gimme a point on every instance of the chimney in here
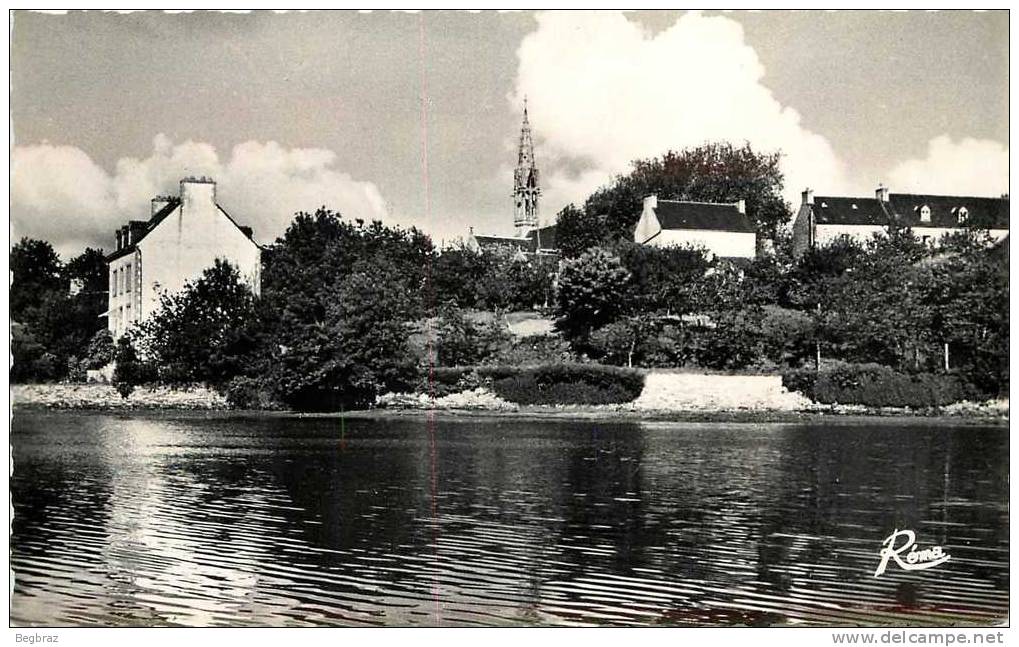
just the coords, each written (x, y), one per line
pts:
(120, 240)
(651, 202)
(741, 206)
(197, 190)
(882, 193)
(808, 196)
(159, 202)
(125, 236)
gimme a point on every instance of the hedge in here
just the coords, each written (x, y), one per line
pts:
(544, 384)
(568, 384)
(874, 385)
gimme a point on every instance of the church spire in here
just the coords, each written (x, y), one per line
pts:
(525, 182)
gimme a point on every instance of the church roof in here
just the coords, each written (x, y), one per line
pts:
(680, 214)
(545, 237)
(523, 244)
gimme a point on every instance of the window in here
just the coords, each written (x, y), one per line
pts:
(127, 279)
(925, 214)
(113, 282)
(963, 215)
(927, 240)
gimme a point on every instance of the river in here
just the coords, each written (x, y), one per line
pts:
(237, 520)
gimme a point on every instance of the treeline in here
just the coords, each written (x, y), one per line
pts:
(56, 308)
(349, 310)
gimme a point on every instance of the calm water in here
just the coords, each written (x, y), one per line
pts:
(197, 520)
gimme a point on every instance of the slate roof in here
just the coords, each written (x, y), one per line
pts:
(677, 214)
(833, 210)
(146, 227)
(546, 238)
(904, 209)
(991, 213)
(528, 244)
(523, 244)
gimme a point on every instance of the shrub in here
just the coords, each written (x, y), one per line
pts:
(568, 384)
(100, 350)
(244, 392)
(534, 349)
(443, 380)
(462, 341)
(874, 385)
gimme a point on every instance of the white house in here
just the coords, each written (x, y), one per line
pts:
(822, 219)
(184, 236)
(721, 228)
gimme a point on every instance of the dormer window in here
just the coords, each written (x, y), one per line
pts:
(925, 214)
(963, 214)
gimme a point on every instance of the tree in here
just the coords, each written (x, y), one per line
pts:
(37, 273)
(199, 334)
(712, 172)
(462, 341)
(577, 232)
(128, 372)
(591, 292)
(666, 280)
(357, 350)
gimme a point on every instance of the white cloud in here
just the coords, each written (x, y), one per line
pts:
(59, 194)
(969, 167)
(604, 92)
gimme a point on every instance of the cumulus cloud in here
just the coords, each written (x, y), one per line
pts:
(605, 92)
(59, 194)
(968, 167)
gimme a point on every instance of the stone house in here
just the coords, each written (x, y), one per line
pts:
(723, 229)
(183, 236)
(822, 219)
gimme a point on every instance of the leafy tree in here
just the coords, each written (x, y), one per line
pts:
(37, 273)
(667, 280)
(358, 349)
(128, 372)
(461, 341)
(199, 333)
(576, 231)
(591, 292)
(713, 172)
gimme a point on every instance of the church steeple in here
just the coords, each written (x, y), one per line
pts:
(525, 182)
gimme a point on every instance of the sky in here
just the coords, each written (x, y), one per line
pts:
(413, 118)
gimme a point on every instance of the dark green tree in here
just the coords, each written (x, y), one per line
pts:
(200, 334)
(591, 292)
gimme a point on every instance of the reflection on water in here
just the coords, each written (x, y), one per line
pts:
(218, 520)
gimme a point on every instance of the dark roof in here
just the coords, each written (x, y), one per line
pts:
(523, 244)
(152, 223)
(990, 213)
(904, 209)
(546, 237)
(676, 214)
(147, 226)
(831, 210)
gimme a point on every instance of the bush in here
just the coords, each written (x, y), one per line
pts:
(100, 350)
(442, 381)
(874, 385)
(250, 393)
(566, 384)
(534, 349)
(463, 341)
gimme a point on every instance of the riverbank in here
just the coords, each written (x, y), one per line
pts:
(653, 405)
(105, 397)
